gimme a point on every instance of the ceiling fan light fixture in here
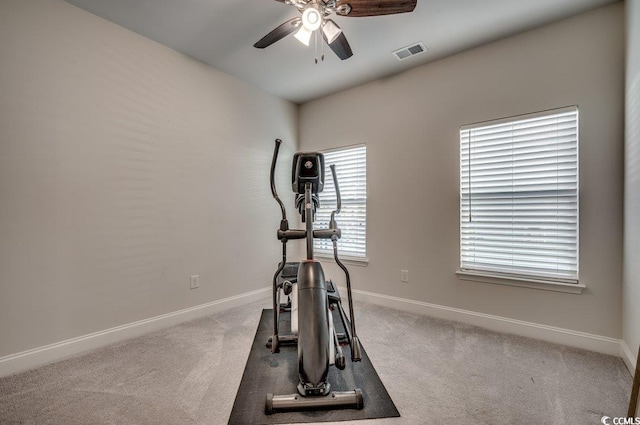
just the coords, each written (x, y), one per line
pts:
(314, 16)
(331, 31)
(303, 35)
(311, 18)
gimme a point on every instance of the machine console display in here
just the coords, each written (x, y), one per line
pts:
(308, 167)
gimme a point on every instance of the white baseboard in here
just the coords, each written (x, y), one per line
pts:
(591, 342)
(18, 362)
(628, 357)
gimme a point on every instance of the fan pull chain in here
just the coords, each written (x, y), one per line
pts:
(318, 39)
(315, 34)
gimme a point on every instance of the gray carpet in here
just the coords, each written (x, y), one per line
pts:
(437, 372)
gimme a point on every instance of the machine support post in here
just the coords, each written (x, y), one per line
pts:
(308, 210)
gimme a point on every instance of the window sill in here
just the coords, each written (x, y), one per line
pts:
(547, 285)
(350, 261)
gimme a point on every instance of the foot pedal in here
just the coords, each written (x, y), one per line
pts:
(283, 340)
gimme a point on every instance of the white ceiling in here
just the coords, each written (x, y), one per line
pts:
(221, 33)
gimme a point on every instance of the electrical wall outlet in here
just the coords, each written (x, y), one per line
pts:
(404, 276)
(195, 281)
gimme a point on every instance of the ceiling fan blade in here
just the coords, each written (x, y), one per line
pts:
(340, 46)
(378, 7)
(282, 31)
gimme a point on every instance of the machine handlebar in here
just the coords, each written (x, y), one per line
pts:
(274, 192)
(332, 223)
(354, 343)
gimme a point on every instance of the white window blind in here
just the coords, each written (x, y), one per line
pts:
(351, 169)
(519, 196)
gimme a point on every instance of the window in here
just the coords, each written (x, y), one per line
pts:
(519, 197)
(351, 169)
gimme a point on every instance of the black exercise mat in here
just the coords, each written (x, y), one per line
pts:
(278, 374)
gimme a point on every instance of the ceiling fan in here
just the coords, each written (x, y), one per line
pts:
(315, 19)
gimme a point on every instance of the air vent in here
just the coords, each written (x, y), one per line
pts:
(412, 50)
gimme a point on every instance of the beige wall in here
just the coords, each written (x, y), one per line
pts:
(411, 123)
(631, 289)
(125, 167)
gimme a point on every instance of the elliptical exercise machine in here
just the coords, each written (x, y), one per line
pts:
(311, 298)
